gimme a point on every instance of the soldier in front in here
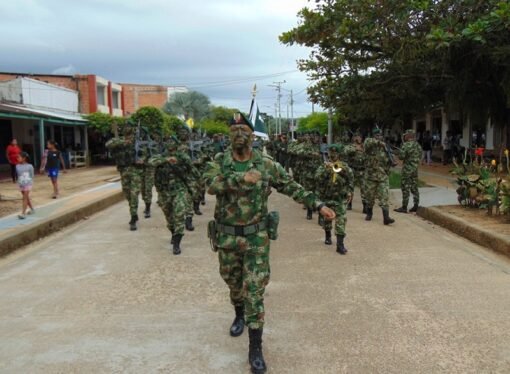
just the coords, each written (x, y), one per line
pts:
(241, 178)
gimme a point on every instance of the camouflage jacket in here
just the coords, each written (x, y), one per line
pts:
(239, 203)
(376, 160)
(333, 189)
(172, 178)
(123, 153)
(410, 154)
(354, 157)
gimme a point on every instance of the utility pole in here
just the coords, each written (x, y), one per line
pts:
(292, 114)
(278, 86)
(330, 126)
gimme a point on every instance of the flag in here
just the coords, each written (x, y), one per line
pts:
(190, 123)
(258, 122)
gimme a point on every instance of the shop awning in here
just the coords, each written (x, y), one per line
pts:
(8, 110)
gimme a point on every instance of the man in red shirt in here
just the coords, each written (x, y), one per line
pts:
(12, 152)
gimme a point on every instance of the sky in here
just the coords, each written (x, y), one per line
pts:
(218, 47)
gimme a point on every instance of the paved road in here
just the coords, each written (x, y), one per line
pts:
(411, 298)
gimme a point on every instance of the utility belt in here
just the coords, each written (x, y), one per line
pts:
(241, 230)
(270, 224)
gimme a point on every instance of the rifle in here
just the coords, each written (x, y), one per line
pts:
(149, 143)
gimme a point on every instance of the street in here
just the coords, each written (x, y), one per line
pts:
(408, 298)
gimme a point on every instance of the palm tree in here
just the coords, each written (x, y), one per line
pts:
(191, 104)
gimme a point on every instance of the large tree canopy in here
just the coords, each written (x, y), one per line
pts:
(388, 59)
(191, 104)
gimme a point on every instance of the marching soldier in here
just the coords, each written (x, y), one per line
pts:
(410, 154)
(241, 179)
(379, 161)
(172, 171)
(355, 157)
(130, 166)
(335, 186)
(309, 154)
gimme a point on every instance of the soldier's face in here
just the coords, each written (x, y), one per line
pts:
(241, 136)
(357, 139)
(334, 156)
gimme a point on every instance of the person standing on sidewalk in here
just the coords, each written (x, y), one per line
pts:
(426, 143)
(11, 153)
(335, 186)
(379, 161)
(51, 161)
(410, 154)
(25, 178)
(241, 179)
(130, 166)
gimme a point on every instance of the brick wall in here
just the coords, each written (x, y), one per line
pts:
(138, 95)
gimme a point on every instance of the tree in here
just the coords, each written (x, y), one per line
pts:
(104, 123)
(212, 127)
(221, 114)
(191, 104)
(314, 122)
(150, 118)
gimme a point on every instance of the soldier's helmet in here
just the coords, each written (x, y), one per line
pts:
(336, 148)
(409, 134)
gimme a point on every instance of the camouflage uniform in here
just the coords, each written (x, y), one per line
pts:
(379, 160)
(355, 157)
(131, 174)
(173, 185)
(147, 183)
(410, 154)
(244, 260)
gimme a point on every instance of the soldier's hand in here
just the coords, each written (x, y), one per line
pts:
(327, 213)
(172, 160)
(252, 177)
(349, 198)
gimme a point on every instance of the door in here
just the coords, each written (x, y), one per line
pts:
(5, 138)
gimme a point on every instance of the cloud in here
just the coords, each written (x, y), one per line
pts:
(65, 70)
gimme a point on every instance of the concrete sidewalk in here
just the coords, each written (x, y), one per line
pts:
(51, 217)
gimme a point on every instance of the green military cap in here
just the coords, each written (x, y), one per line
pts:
(409, 132)
(376, 131)
(336, 147)
(241, 119)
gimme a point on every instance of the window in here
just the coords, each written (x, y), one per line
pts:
(116, 99)
(101, 95)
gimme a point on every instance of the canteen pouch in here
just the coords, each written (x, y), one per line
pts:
(273, 219)
(212, 235)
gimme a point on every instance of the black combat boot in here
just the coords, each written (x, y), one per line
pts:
(340, 247)
(147, 211)
(386, 215)
(309, 213)
(328, 241)
(237, 327)
(189, 224)
(202, 201)
(364, 208)
(255, 357)
(402, 209)
(349, 206)
(196, 208)
(132, 223)
(176, 244)
(414, 208)
(370, 211)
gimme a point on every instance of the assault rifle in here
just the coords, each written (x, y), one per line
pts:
(148, 144)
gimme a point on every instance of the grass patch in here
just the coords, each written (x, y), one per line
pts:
(396, 180)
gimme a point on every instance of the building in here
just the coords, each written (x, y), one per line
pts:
(140, 95)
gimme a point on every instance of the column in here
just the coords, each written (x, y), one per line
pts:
(41, 139)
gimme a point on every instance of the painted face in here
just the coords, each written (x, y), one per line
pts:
(334, 155)
(357, 139)
(241, 135)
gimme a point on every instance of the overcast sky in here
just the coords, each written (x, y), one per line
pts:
(168, 42)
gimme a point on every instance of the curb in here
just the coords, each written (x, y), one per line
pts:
(485, 238)
(48, 226)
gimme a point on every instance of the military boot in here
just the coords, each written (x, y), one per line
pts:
(414, 208)
(386, 215)
(309, 213)
(189, 224)
(176, 244)
(255, 357)
(349, 206)
(147, 211)
(364, 208)
(237, 327)
(328, 241)
(202, 201)
(402, 209)
(340, 247)
(370, 211)
(196, 208)
(132, 223)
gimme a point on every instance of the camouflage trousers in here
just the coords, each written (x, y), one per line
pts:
(244, 266)
(147, 184)
(409, 185)
(378, 190)
(174, 206)
(359, 180)
(340, 209)
(131, 181)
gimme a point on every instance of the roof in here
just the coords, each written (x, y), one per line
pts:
(36, 112)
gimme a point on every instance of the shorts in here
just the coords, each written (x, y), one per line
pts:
(53, 173)
(25, 188)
